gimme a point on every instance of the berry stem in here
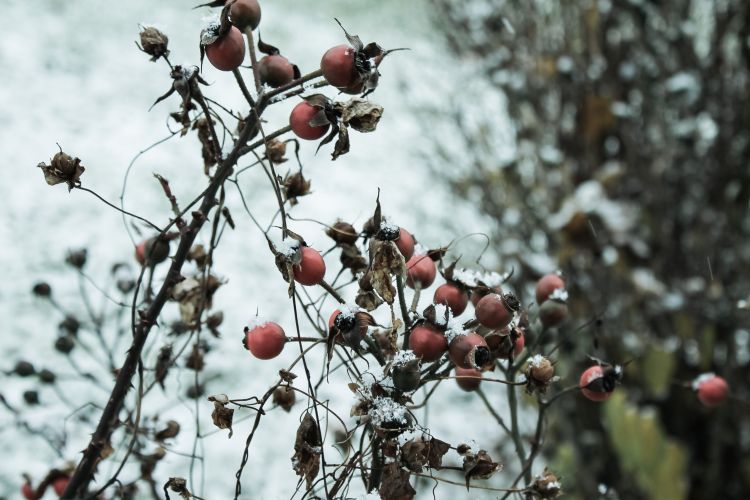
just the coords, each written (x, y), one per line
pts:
(254, 61)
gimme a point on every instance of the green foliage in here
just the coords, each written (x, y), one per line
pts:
(656, 369)
(657, 463)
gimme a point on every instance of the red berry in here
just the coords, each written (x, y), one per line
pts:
(421, 269)
(469, 351)
(712, 390)
(465, 383)
(265, 341)
(59, 484)
(244, 13)
(228, 52)
(452, 296)
(548, 284)
(405, 243)
(154, 250)
(337, 65)
(428, 343)
(300, 118)
(28, 491)
(275, 70)
(311, 269)
(552, 312)
(492, 312)
(587, 377)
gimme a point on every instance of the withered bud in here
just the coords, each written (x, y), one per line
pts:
(77, 258)
(64, 344)
(276, 150)
(284, 397)
(31, 397)
(198, 255)
(195, 360)
(195, 391)
(70, 325)
(215, 320)
(42, 289)
(24, 369)
(47, 376)
(342, 232)
(406, 376)
(63, 168)
(154, 42)
(547, 485)
(295, 186)
(539, 372)
(171, 430)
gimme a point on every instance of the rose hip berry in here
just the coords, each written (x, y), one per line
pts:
(27, 491)
(421, 269)
(712, 389)
(311, 269)
(552, 312)
(470, 378)
(469, 351)
(265, 341)
(337, 65)
(228, 52)
(300, 118)
(244, 13)
(428, 343)
(59, 484)
(152, 251)
(405, 243)
(590, 377)
(492, 311)
(452, 296)
(275, 70)
(548, 284)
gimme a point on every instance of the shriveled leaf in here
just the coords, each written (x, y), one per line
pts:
(479, 466)
(222, 416)
(387, 263)
(394, 484)
(368, 300)
(342, 143)
(171, 430)
(307, 450)
(361, 115)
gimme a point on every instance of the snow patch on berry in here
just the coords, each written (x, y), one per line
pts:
(256, 322)
(701, 379)
(537, 360)
(441, 312)
(560, 294)
(403, 357)
(289, 248)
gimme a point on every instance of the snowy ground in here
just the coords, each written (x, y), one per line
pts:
(72, 75)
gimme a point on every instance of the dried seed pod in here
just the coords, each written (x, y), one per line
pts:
(284, 397)
(24, 369)
(405, 372)
(540, 373)
(343, 232)
(154, 42)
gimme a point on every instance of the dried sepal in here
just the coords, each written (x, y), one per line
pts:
(417, 454)
(307, 450)
(342, 143)
(163, 363)
(546, 485)
(284, 396)
(178, 485)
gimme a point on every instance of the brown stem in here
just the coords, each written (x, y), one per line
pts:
(84, 472)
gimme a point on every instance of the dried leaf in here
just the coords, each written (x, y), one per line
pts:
(163, 363)
(479, 466)
(342, 143)
(171, 430)
(387, 263)
(287, 376)
(307, 450)
(267, 48)
(222, 416)
(361, 115)
(394, 484)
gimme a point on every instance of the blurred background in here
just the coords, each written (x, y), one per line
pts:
(607, 139)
